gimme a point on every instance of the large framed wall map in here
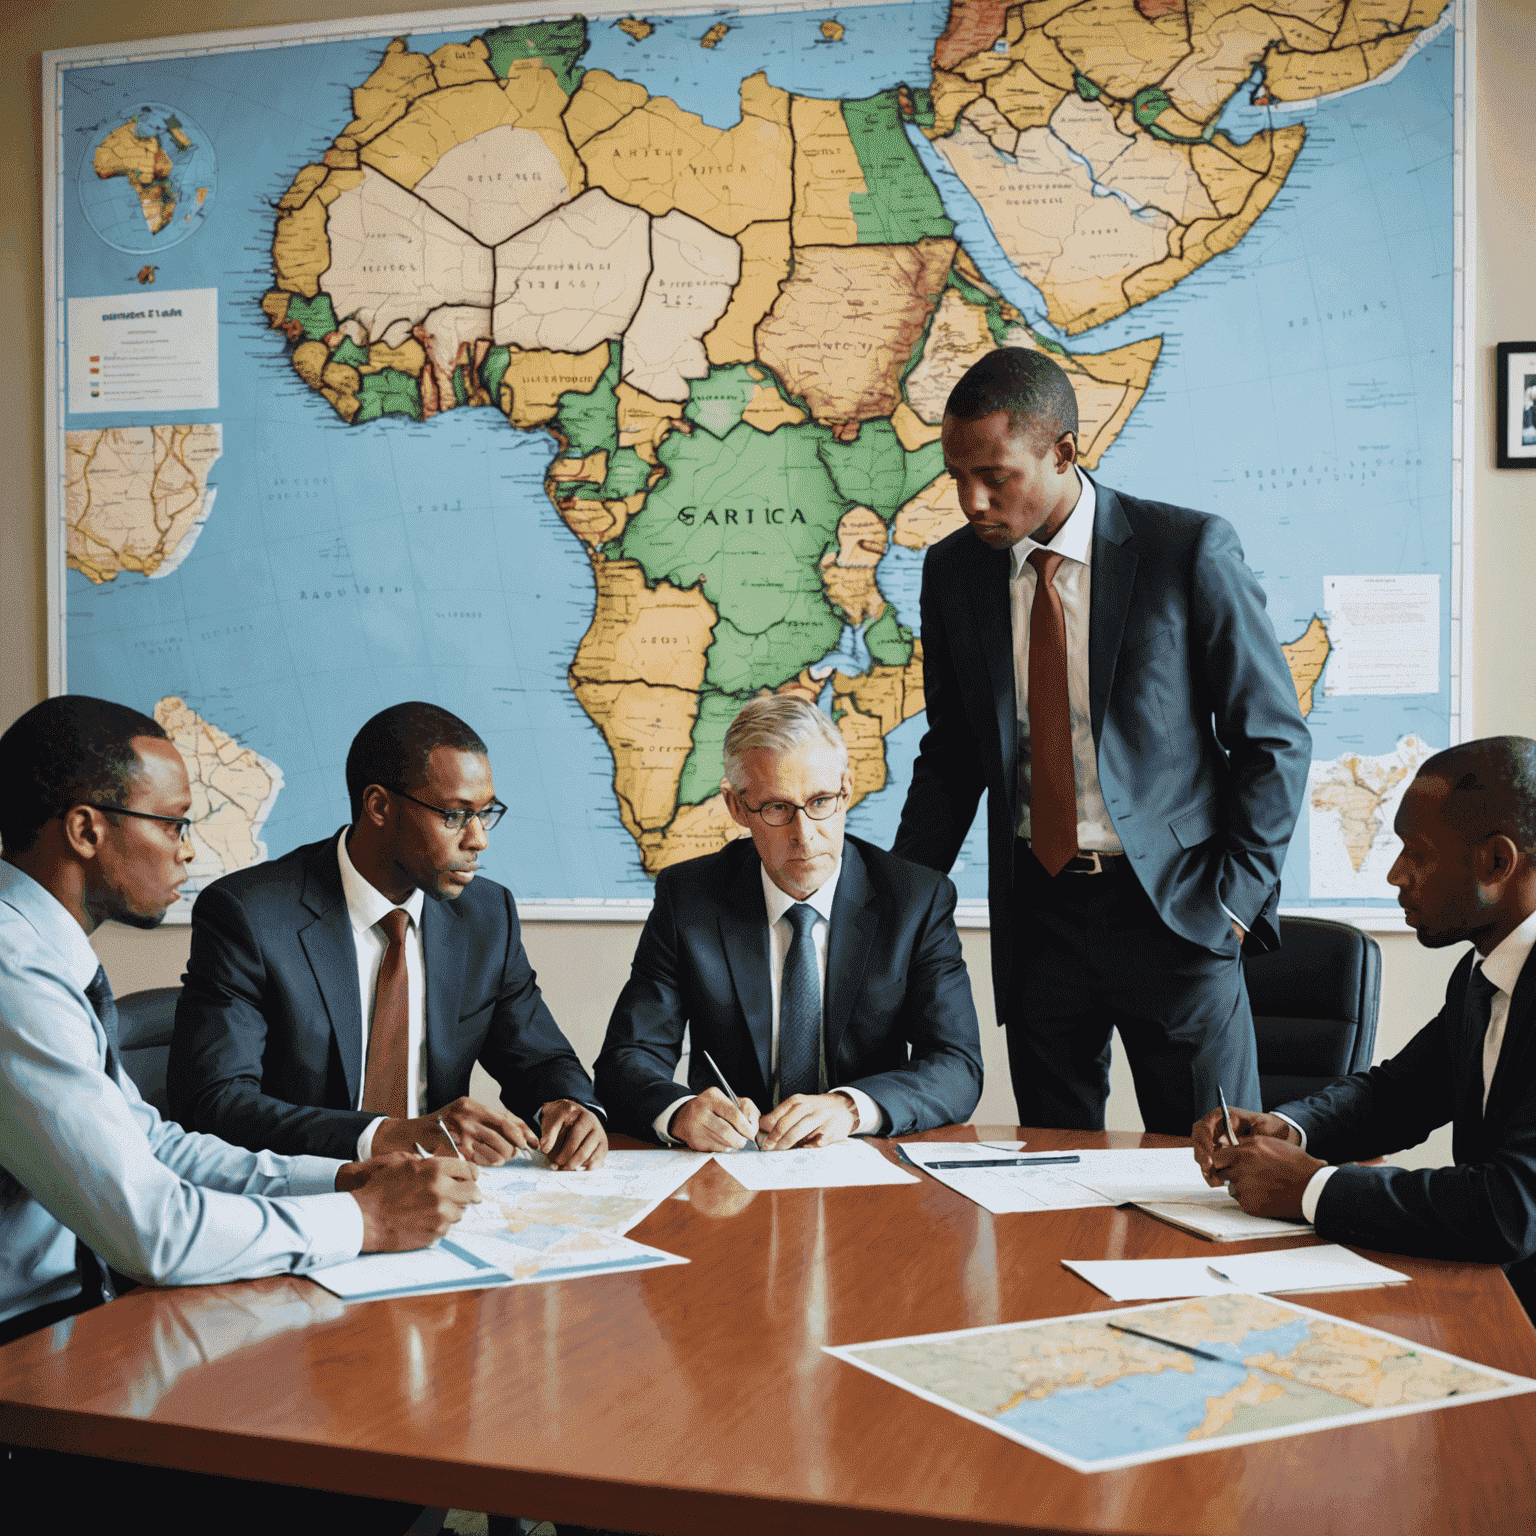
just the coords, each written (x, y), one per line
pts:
(583, 373)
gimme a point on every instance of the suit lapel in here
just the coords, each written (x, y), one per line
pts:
(851, 935)
(1114, 575)
(991, 603)
(326, 937)
(442, 952)
(744, 940)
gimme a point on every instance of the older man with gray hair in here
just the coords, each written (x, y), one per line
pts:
(819, 976)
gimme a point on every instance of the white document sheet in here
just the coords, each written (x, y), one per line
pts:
(1328, 1268)
(1218, 1216)
(843, 1165)
(446, 1266)
(1005, 1191)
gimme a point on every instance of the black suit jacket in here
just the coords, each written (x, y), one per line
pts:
(267, 1049)
(1484, 1207)
(895, 979)
(1202, 751)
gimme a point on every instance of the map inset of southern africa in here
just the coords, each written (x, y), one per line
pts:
(586, 377)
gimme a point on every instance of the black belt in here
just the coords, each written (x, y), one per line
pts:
(1091, 863)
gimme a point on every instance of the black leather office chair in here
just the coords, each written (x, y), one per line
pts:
(1315, 1001)
(144, 1022)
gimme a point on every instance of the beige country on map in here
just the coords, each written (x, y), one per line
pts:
(135, 498)
(233, 789)
(1356, 788)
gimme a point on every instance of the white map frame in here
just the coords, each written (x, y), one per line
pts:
(970, 914)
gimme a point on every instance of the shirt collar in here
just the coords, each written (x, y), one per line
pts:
(366, 904)
(50, 919)
(779, 902)
(1074, 538)
(1508, 959)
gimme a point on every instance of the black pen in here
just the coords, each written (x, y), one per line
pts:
(1189, 1349)
(1003, 1162)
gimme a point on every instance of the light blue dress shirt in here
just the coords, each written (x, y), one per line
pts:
(82, 1153)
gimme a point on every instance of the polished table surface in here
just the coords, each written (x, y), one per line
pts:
(697, 1398)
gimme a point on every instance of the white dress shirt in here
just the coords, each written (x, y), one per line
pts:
(367, 907)
(82, 1153)
(1073, 582)
(870, 1116)
(1503, 969)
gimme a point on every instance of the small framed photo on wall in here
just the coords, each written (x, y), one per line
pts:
(1516, 419)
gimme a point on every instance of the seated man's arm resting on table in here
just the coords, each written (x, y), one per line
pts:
(543, 1082)
(168, 1206)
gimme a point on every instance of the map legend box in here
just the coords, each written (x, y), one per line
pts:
(126, 354)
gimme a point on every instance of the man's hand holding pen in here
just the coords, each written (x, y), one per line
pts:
(1266, 1170)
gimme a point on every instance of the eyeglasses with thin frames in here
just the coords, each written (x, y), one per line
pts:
(183, 824)
(779, 813)
(457, 820)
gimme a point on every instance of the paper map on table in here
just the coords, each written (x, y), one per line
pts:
(478, 1261)
(1074, 1389)
(537, 1204)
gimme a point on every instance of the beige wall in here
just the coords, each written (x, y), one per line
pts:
(581, 967)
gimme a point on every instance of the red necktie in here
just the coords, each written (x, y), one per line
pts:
(1052, 783)
(389, 1039)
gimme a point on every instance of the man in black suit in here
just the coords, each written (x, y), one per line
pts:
(823, 976)
(1467, 871)
(1137, 734)
(337, 999)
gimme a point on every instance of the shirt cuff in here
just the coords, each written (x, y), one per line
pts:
(870, 1116)
(1300, 1131)
(339, 1229)
(1233, 915)
(1309, 1196)
(365, 1140)
(312, 1175)
(664, 1119)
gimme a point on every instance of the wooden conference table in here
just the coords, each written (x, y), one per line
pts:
(697, 1398)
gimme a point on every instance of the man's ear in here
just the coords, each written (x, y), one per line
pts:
(733, 805)
(376, 805)
(1496, 860)
(83, 831)
(1065, 451)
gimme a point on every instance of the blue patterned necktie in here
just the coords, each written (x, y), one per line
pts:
(95, 1278)
(800, 1009)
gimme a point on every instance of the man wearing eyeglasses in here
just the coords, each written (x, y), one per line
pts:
(337, 999)
(820, 977)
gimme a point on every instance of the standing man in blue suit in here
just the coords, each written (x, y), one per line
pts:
(1131, 718)
(1466, 872)
(337, 999)
(823, 975)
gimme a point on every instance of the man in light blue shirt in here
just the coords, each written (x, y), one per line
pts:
(93, 823)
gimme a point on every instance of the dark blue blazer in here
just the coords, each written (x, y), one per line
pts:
(1484, 1207)
(267, 1049)
(1202, 750)
(898, 1022)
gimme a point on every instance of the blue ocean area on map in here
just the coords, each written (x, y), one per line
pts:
(1142, 1412)
(1298, 393)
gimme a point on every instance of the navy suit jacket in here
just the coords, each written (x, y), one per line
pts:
(1202, 751)
(268, 1050)
(1481, 1209)
(895, 980)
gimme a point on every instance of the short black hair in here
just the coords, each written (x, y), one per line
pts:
(67, 751)
(1034, 391)
(1492, 788)
(394, 749)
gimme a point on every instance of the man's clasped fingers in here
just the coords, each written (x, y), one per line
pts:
(813, 1120)
(573, 1135)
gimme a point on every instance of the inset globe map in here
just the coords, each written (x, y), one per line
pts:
(148, 180)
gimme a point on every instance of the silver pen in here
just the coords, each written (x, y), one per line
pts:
(730, 1092)
(1226, 1114)
(451, 1142)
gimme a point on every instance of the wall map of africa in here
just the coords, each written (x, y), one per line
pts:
(585, 376)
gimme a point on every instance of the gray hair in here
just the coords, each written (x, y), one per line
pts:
(778, 722)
